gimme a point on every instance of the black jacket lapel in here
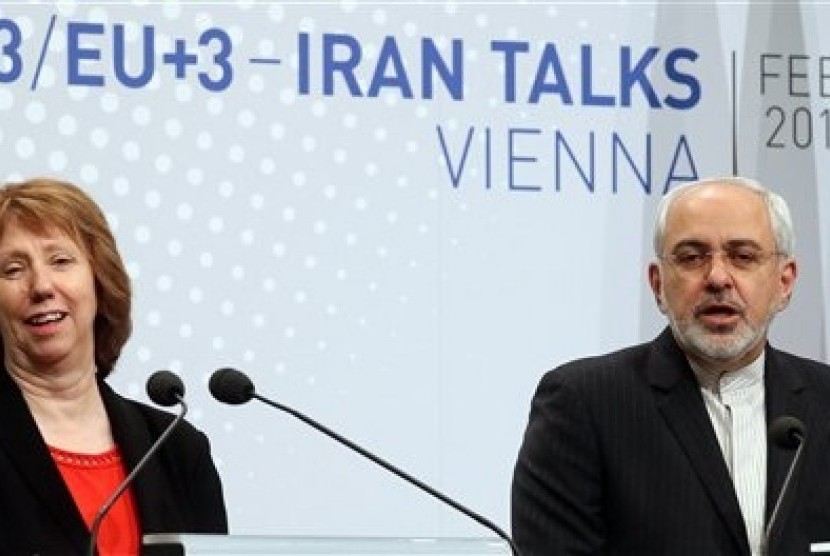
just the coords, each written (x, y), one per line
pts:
(783, 397)
(151, 488)
(678, 398)
(25, 448)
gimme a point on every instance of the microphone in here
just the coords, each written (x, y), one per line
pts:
(786, 432)
(164, 388)
(234, 387)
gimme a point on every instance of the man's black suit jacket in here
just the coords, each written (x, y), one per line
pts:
(178, 491)
(620, 457)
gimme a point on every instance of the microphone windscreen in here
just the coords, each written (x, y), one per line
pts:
(787, 432)
(165, 388)
(231, 386)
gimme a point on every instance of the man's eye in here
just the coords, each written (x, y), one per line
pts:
(744, 257)
(690, 258)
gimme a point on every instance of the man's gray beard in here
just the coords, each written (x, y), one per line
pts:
(718, 347)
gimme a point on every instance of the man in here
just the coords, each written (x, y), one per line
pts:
(662, 448)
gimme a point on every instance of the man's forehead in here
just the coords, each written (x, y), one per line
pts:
(721, 212)
(719, 191)
(714, 201)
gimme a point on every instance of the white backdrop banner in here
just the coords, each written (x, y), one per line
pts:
(396, 216)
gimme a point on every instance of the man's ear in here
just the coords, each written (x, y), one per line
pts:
(655, 280)
(789, 272)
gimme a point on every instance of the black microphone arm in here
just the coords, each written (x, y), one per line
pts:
(234, 387)
(786, 432)
(165, 389)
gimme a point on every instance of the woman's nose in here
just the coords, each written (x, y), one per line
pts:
(41, 286)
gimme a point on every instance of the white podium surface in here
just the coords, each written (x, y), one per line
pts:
(820, 548)
(255, 545)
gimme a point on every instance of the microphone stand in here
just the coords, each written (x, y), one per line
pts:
(389, 467)
(784, 489)
(99, 517)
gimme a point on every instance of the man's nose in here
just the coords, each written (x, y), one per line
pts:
(720, 271)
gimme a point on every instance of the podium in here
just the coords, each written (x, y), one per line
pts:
(256, 545)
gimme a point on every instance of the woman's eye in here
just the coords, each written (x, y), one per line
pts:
(62, 261)
(12, 271)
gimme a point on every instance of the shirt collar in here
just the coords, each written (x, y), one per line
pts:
(744, 379)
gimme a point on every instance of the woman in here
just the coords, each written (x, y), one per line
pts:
(66, 438)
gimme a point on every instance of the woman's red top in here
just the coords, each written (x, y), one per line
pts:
(92, 478)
